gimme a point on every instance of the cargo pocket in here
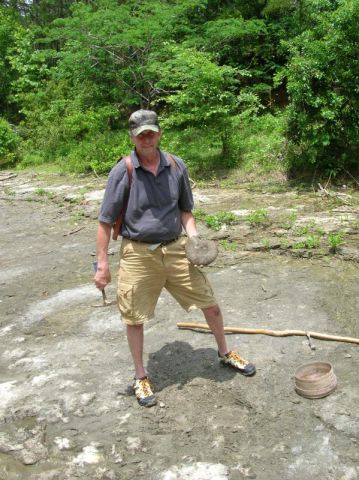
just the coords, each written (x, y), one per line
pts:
(206, 285)
(125, 299)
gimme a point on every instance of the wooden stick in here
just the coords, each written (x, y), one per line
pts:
(273, 333)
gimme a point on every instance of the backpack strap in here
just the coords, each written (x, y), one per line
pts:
(171, 160)
(121, 216)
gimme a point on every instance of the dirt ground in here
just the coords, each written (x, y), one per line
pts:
(66, 407)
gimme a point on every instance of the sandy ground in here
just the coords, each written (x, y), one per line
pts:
(66, 407)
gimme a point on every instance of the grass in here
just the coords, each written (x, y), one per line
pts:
(266, 243)
(77, 217)
(258, 217)
(199, 214)
(311, 242)
(218, 220)
(310, 228)
(229, 246)
(261, 143)
(288, 222)
(42, 192)
(335, 240)
(76, 200)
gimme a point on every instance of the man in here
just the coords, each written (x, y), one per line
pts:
(158, 204)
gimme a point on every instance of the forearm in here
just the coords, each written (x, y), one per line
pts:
(102, 243)
(189, 223)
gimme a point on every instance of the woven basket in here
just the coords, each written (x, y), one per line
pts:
(315, 380)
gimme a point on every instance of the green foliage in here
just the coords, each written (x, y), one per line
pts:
(197, 93)
(258, 141)
(218, 220)
(100, 153)
(199, 214)
(244, 44)
(266, 243)
(197, 90)
(8, 142)
(288, 223)
(229, 246)
(309, 228)
(42, 192)
(217, 72)
(97, 153)
(323, 127)
(335, 240)
(9, 26)
(310, 241)
(258, 217)
(201, 150)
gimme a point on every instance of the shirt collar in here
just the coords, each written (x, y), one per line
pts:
(164, 162)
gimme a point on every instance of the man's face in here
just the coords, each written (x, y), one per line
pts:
(146, 141)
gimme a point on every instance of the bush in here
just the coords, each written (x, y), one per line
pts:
(321, 77)
(67, 133)
(200, 150)
(96, 153)
(258, 145)
(8, 142)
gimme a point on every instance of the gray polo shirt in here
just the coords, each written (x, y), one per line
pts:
(155, 203)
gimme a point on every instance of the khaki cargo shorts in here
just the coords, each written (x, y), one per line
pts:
(144, 272)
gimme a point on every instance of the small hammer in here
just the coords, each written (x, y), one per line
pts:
(105, 302)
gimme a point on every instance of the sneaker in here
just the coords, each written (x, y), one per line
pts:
(144, 393)
(232, 359)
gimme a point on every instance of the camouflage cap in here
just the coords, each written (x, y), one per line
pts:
(142, 120)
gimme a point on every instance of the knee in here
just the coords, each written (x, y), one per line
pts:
(134, 328)
(213, 311)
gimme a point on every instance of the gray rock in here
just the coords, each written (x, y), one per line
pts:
(349, 254)
(32, 452)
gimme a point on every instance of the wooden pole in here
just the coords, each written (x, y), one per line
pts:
(273, 333)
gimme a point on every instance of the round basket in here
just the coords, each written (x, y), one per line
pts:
(315, 380)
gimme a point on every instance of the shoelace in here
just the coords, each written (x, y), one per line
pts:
(237, 358)
(145, 387)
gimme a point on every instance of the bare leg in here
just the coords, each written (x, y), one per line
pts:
(214, 319)
(135, 342)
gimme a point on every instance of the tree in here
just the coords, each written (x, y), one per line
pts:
(322, 80)
(196, 92)
(9, 26)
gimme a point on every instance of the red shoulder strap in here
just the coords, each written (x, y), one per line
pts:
(129, 169)
(171, 160)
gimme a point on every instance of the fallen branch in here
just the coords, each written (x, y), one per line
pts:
(192, 182)
(273, 333)
(348, 173)
(343, 197)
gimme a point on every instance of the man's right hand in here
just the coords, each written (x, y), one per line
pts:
(102, 276)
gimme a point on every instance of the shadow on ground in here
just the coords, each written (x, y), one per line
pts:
(177, 363)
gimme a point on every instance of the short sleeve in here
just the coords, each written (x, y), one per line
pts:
(185, 201)
(116, 191)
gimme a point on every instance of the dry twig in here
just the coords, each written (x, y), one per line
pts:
(73, 231)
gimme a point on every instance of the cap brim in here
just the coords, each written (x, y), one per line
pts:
(142, 128)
